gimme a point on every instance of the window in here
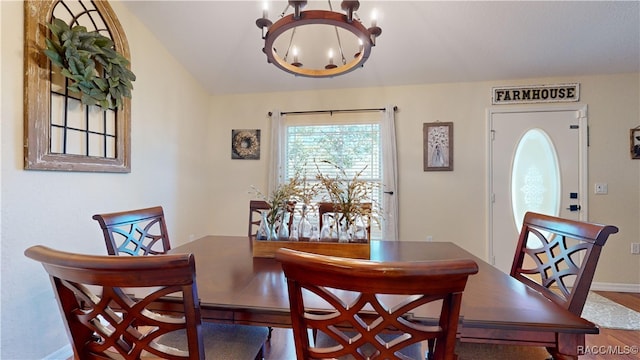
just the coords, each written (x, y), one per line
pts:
(60, 132)
(349, 141)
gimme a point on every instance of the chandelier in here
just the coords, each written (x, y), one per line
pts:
(329, 43)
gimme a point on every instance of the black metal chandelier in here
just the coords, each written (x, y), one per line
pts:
(343, 31)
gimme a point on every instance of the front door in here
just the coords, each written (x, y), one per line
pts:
(537, 163)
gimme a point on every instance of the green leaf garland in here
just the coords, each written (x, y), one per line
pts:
(76, 51)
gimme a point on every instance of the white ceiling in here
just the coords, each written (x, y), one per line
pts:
(421, 42)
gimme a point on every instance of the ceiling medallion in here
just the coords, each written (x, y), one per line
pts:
(311, 34)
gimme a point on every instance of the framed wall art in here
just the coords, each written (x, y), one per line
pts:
(245, 144)
(438, 146)
(635, 142)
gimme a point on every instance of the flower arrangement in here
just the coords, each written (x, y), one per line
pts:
(351, 196)
(279, 199)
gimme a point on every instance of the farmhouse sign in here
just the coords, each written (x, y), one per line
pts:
(535, 94)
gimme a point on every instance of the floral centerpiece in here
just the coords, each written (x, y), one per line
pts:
(307, 193)
(279, 201)
(352, 198)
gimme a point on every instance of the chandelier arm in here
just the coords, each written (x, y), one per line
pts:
(344, 60)
(293, 33)
(284, 12)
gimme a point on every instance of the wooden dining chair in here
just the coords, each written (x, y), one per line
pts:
(328, 207)
(370, 305)
(256, 207)
(99, 309)
(558, 258)
(139, 232)
(135, 232)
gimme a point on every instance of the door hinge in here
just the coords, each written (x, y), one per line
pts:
(493, 134)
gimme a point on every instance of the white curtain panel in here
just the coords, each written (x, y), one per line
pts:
(389, 175)
(277, 149)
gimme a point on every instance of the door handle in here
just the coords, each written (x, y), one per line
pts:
(574, 208)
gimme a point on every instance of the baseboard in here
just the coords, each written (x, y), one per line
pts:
(631, 288)
(63, 353)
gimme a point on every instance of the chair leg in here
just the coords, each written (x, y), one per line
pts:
(260, 355)
(431, 347)
(270, 331)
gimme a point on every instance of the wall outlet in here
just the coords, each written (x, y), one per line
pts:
(635, 248)
(429, 238)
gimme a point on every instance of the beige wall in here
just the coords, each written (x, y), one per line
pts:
(181, 160)
(169, 114)
(450, 206)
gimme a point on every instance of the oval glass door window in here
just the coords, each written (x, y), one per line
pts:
(535, 177)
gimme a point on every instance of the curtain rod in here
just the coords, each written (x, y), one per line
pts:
(395, 108)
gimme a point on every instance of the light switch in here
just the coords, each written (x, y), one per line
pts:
(601, 188)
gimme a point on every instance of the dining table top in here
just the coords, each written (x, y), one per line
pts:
(236, 287)
(230, 277)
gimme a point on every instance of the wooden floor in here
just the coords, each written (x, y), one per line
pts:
(281, 346)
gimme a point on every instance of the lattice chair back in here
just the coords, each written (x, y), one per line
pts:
(363, 307)
(135, 232)
(90, 287)
(558, 257)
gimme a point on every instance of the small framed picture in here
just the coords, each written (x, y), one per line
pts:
(635, 143)
(245, 144)
(438, 146)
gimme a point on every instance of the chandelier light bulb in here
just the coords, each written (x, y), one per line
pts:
(265, 10)
(331, 65)
(294, 50)
(374, 18)
(360, 48)
(296, 62)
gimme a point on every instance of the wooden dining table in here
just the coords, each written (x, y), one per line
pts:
(235, 287)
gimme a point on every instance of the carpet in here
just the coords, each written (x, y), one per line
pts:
(610, 315)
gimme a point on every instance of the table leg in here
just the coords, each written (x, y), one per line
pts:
(567, 346)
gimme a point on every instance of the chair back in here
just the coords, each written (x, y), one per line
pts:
(256, 207)
(356, 292)
(87, 286)
(135, 232)
(327, 207)
(558, 257)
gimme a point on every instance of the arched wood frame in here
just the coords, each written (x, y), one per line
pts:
(37, 99)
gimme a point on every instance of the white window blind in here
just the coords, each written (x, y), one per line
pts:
(351, 141)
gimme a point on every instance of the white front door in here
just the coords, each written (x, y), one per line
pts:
(537, 162)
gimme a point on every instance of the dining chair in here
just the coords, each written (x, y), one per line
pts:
(332, 208)
(370, 305)
(256, 207)
(139, 232)
(557, 257)
(102, 297)
(135, 232)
